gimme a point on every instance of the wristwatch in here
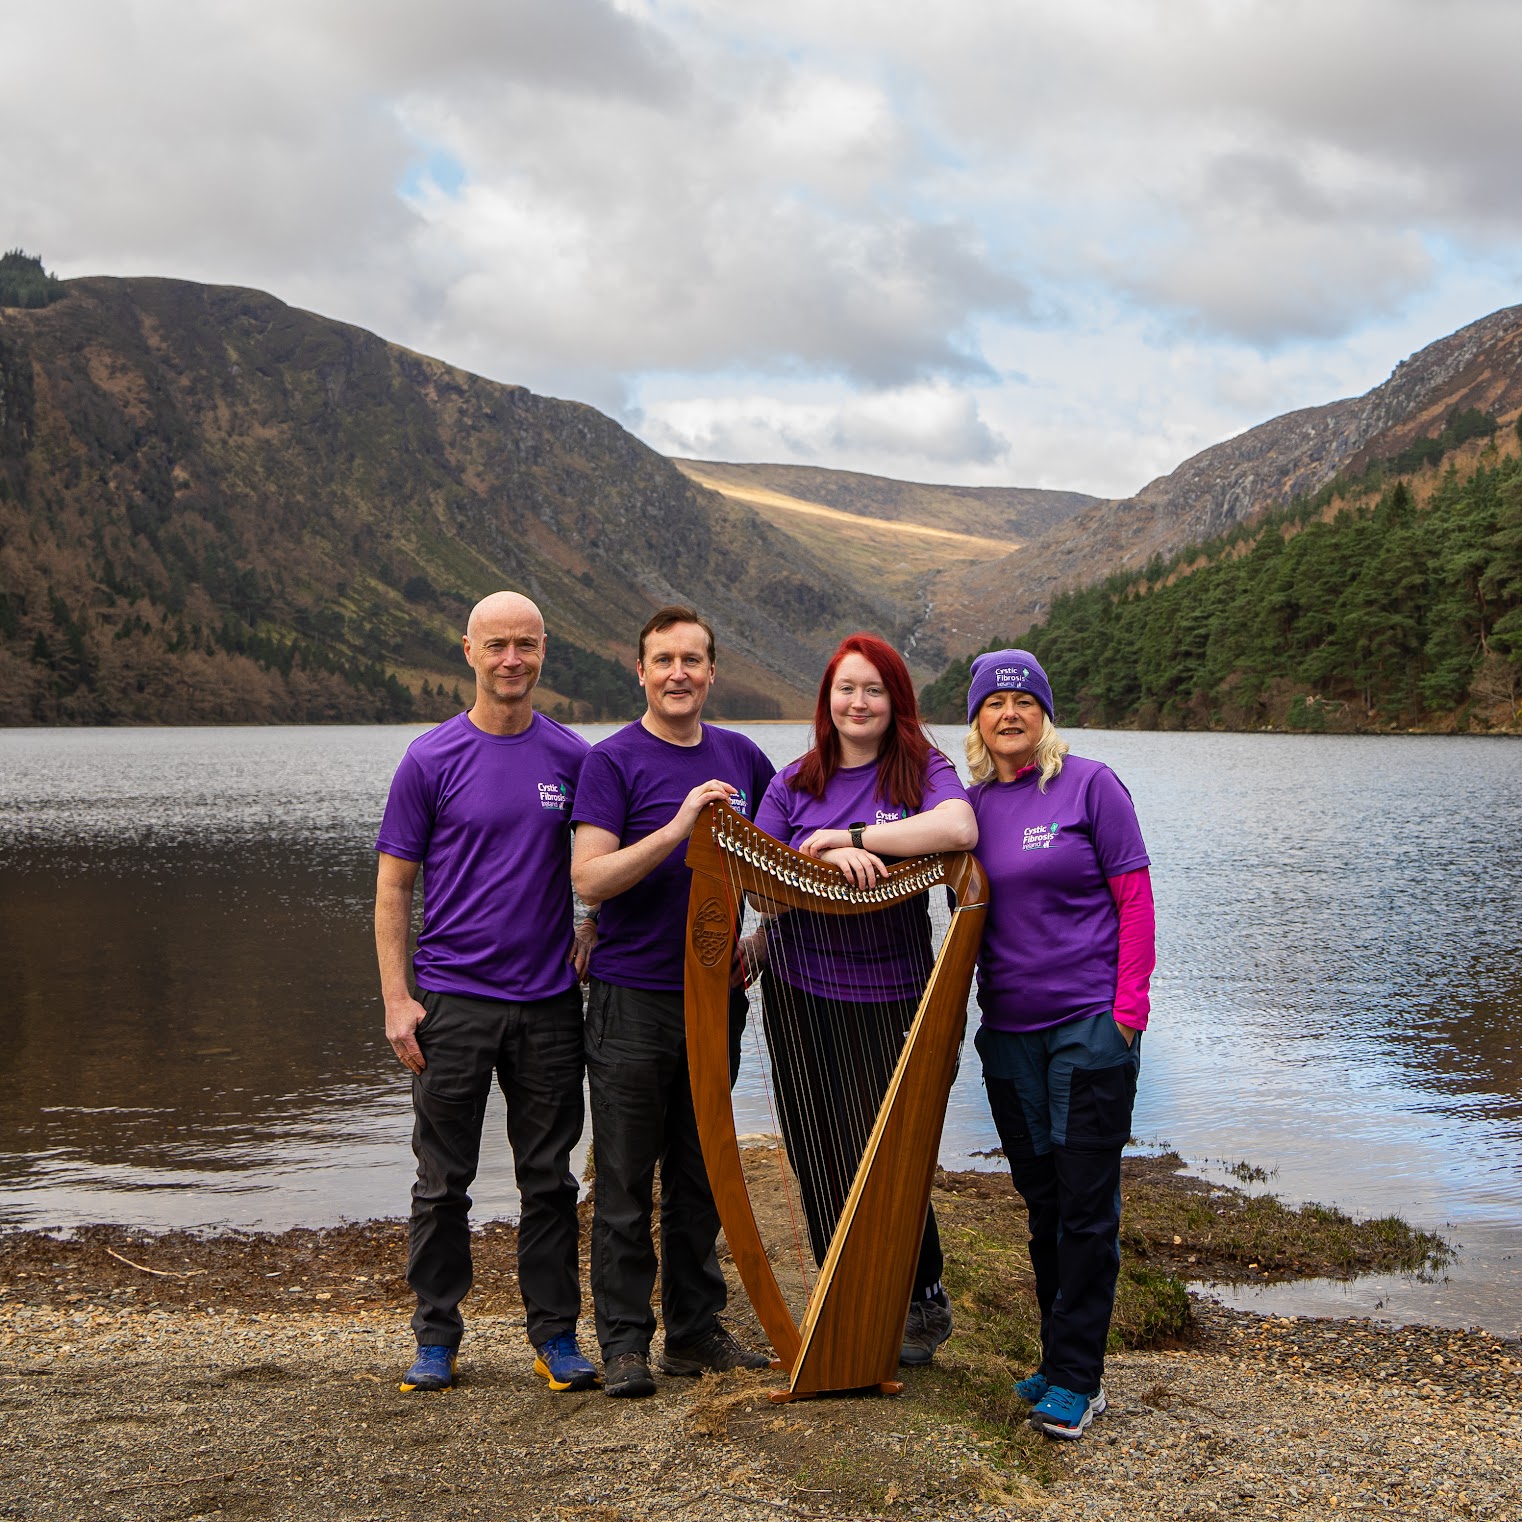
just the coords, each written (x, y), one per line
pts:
(856, 830)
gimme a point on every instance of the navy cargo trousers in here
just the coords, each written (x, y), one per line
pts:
(1062, 1101)
(534, 1050)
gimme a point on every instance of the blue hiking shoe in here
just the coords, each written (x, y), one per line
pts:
(1066, 1413)
(1032, 1387)
(559, 1360)
(433, 1369)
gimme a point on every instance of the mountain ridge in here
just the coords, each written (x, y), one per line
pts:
(215, 507)
(218, 507)
(1264, 467)
(980, 511)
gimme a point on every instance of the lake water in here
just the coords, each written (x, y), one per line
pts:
(195, 1033)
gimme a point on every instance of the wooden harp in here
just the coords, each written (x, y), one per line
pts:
(853, 1325)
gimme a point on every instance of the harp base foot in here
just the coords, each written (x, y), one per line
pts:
(883, 1387)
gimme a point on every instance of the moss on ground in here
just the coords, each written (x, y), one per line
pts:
(1200, 1230)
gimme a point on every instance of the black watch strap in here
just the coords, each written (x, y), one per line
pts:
(856, 830)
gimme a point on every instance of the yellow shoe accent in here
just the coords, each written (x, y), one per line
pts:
(543, 1370)
(426, 1373)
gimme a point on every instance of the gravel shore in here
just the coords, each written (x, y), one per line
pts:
(124, 1414)
(247, 1376)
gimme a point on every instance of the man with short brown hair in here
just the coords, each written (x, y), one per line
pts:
(641, 792)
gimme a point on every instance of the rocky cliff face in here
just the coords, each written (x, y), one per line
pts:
(1479, 366)
(216, 507)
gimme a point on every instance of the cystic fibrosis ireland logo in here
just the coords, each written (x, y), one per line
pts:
(1011, 676)
(554, 795)
(1039, 837)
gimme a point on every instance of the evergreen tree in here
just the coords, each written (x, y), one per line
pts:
(24, 282)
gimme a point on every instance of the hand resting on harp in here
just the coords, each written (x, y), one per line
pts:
(950, 826)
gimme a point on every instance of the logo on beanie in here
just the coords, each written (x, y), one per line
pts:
(1039, 837)
(1012, 675)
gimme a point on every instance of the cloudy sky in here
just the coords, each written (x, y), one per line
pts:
(989, 241)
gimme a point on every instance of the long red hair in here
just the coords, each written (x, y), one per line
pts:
(905, 750)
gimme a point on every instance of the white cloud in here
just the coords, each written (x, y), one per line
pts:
(1268, 281)
(911, 431)
(936, 244)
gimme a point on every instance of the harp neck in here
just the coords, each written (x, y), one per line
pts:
(728, 846)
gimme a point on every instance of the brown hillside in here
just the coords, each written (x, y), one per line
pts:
(895, 536)
(214, 507)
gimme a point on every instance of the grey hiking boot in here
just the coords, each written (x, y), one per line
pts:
(929, 1325)
(716, 1352)
(627, 1375)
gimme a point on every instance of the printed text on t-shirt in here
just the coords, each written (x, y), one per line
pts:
(1039, 837)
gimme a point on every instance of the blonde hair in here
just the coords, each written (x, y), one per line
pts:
(1050, 749)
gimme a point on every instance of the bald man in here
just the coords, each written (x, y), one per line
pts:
(482, 805)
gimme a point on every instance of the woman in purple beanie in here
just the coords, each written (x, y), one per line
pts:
(1063, 980)
(839, 993)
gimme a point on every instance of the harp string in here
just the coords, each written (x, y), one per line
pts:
(771, 1090)
(830, 1059)
(852, 1045)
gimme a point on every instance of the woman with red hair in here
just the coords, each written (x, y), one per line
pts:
(839, 993)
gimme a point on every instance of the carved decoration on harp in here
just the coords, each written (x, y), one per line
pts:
(852, 1329)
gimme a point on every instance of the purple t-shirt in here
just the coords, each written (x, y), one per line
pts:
(489, 818)
(862, 959)
(1052, 937)
(631, 784)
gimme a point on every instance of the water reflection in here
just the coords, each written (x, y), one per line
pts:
(195, 1032)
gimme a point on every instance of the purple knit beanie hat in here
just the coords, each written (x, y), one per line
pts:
(1008, 671)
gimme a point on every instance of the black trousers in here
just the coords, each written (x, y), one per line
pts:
(636, 1055)
(535, 1051)
(1062, 1100)
(832, 1061)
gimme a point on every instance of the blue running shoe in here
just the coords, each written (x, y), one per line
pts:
(433, 1369)
(1066, 1413)
(559, 1360)
(1032, 1387)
